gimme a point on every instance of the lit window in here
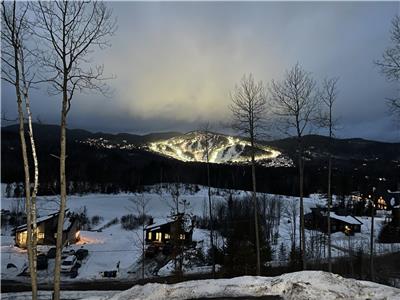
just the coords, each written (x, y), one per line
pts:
(149, 235)
(182, 236)
(167, 236)
(22, 236)
(158, 236)
(40, 235)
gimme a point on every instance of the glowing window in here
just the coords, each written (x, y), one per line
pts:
(158, 236)
(167, 236)
(182, 236)
(22, 236)
(149, 235)
(40, 235)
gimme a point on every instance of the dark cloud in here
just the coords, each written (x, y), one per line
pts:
(176, 63)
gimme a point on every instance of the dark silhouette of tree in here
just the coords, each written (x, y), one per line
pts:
(249, 105)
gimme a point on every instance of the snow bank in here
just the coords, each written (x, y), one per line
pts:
(299, 285)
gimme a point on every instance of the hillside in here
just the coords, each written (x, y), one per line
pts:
(103, 162)
(222, 148)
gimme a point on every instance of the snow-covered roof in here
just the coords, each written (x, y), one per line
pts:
(348, 219)
(38, 220)
(393, 192)
(158, 224)
(66, 225)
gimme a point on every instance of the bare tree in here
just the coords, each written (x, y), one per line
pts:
(249, 105)
(206, 130)
(70, 31)
(390, 64)
(290, 211)
(294, 101)
(140, 204)
(16, 64)
(328, 98)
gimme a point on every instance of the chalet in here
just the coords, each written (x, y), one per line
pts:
(318, 220)
(47, 231)
(166, 232)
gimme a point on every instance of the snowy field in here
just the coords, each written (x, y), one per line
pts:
(115, 246)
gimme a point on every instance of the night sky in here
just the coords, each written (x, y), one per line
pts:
(175, 64)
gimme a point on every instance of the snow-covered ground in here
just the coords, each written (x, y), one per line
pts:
(291, 286)
(115, 245)
(294, 286)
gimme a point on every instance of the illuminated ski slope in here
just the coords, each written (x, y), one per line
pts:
(192, 147)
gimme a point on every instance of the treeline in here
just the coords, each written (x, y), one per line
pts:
(110, 171)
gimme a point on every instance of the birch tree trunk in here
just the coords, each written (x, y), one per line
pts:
(254, 195)
(14, 26)
(63, 198)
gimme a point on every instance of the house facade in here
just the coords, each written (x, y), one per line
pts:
(166, 232)
(317, 219)
(46, 231)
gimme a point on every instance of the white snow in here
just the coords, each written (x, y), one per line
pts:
(114, 244)
(294, 286)
(347, 219)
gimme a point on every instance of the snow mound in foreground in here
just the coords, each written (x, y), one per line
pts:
(299, 285)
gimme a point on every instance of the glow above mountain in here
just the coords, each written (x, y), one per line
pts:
(222, 148)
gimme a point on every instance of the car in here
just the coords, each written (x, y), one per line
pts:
(74, 271)
(68, 263)
(51, 253)
(41, 263)
(81, 253)
(67, 252)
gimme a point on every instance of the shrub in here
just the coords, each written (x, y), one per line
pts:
(96, 220)
(131, 222)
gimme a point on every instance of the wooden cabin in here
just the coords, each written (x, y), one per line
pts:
(318, 220)
(165, 232)
(47, 231)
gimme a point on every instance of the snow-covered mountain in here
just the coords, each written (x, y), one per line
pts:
(192, 146)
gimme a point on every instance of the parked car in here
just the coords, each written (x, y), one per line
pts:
(51, 253)
(74, 271)
(41, 262)
(81, 253)
(68, 263)
(67, 252)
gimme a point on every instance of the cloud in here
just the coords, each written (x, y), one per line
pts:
(177, 62)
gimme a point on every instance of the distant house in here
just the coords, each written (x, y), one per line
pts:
(47, 231)
(165, 232)
(318, 220)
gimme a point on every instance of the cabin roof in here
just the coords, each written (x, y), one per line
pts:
(347, 219)
(66, 225)
(158, 224)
